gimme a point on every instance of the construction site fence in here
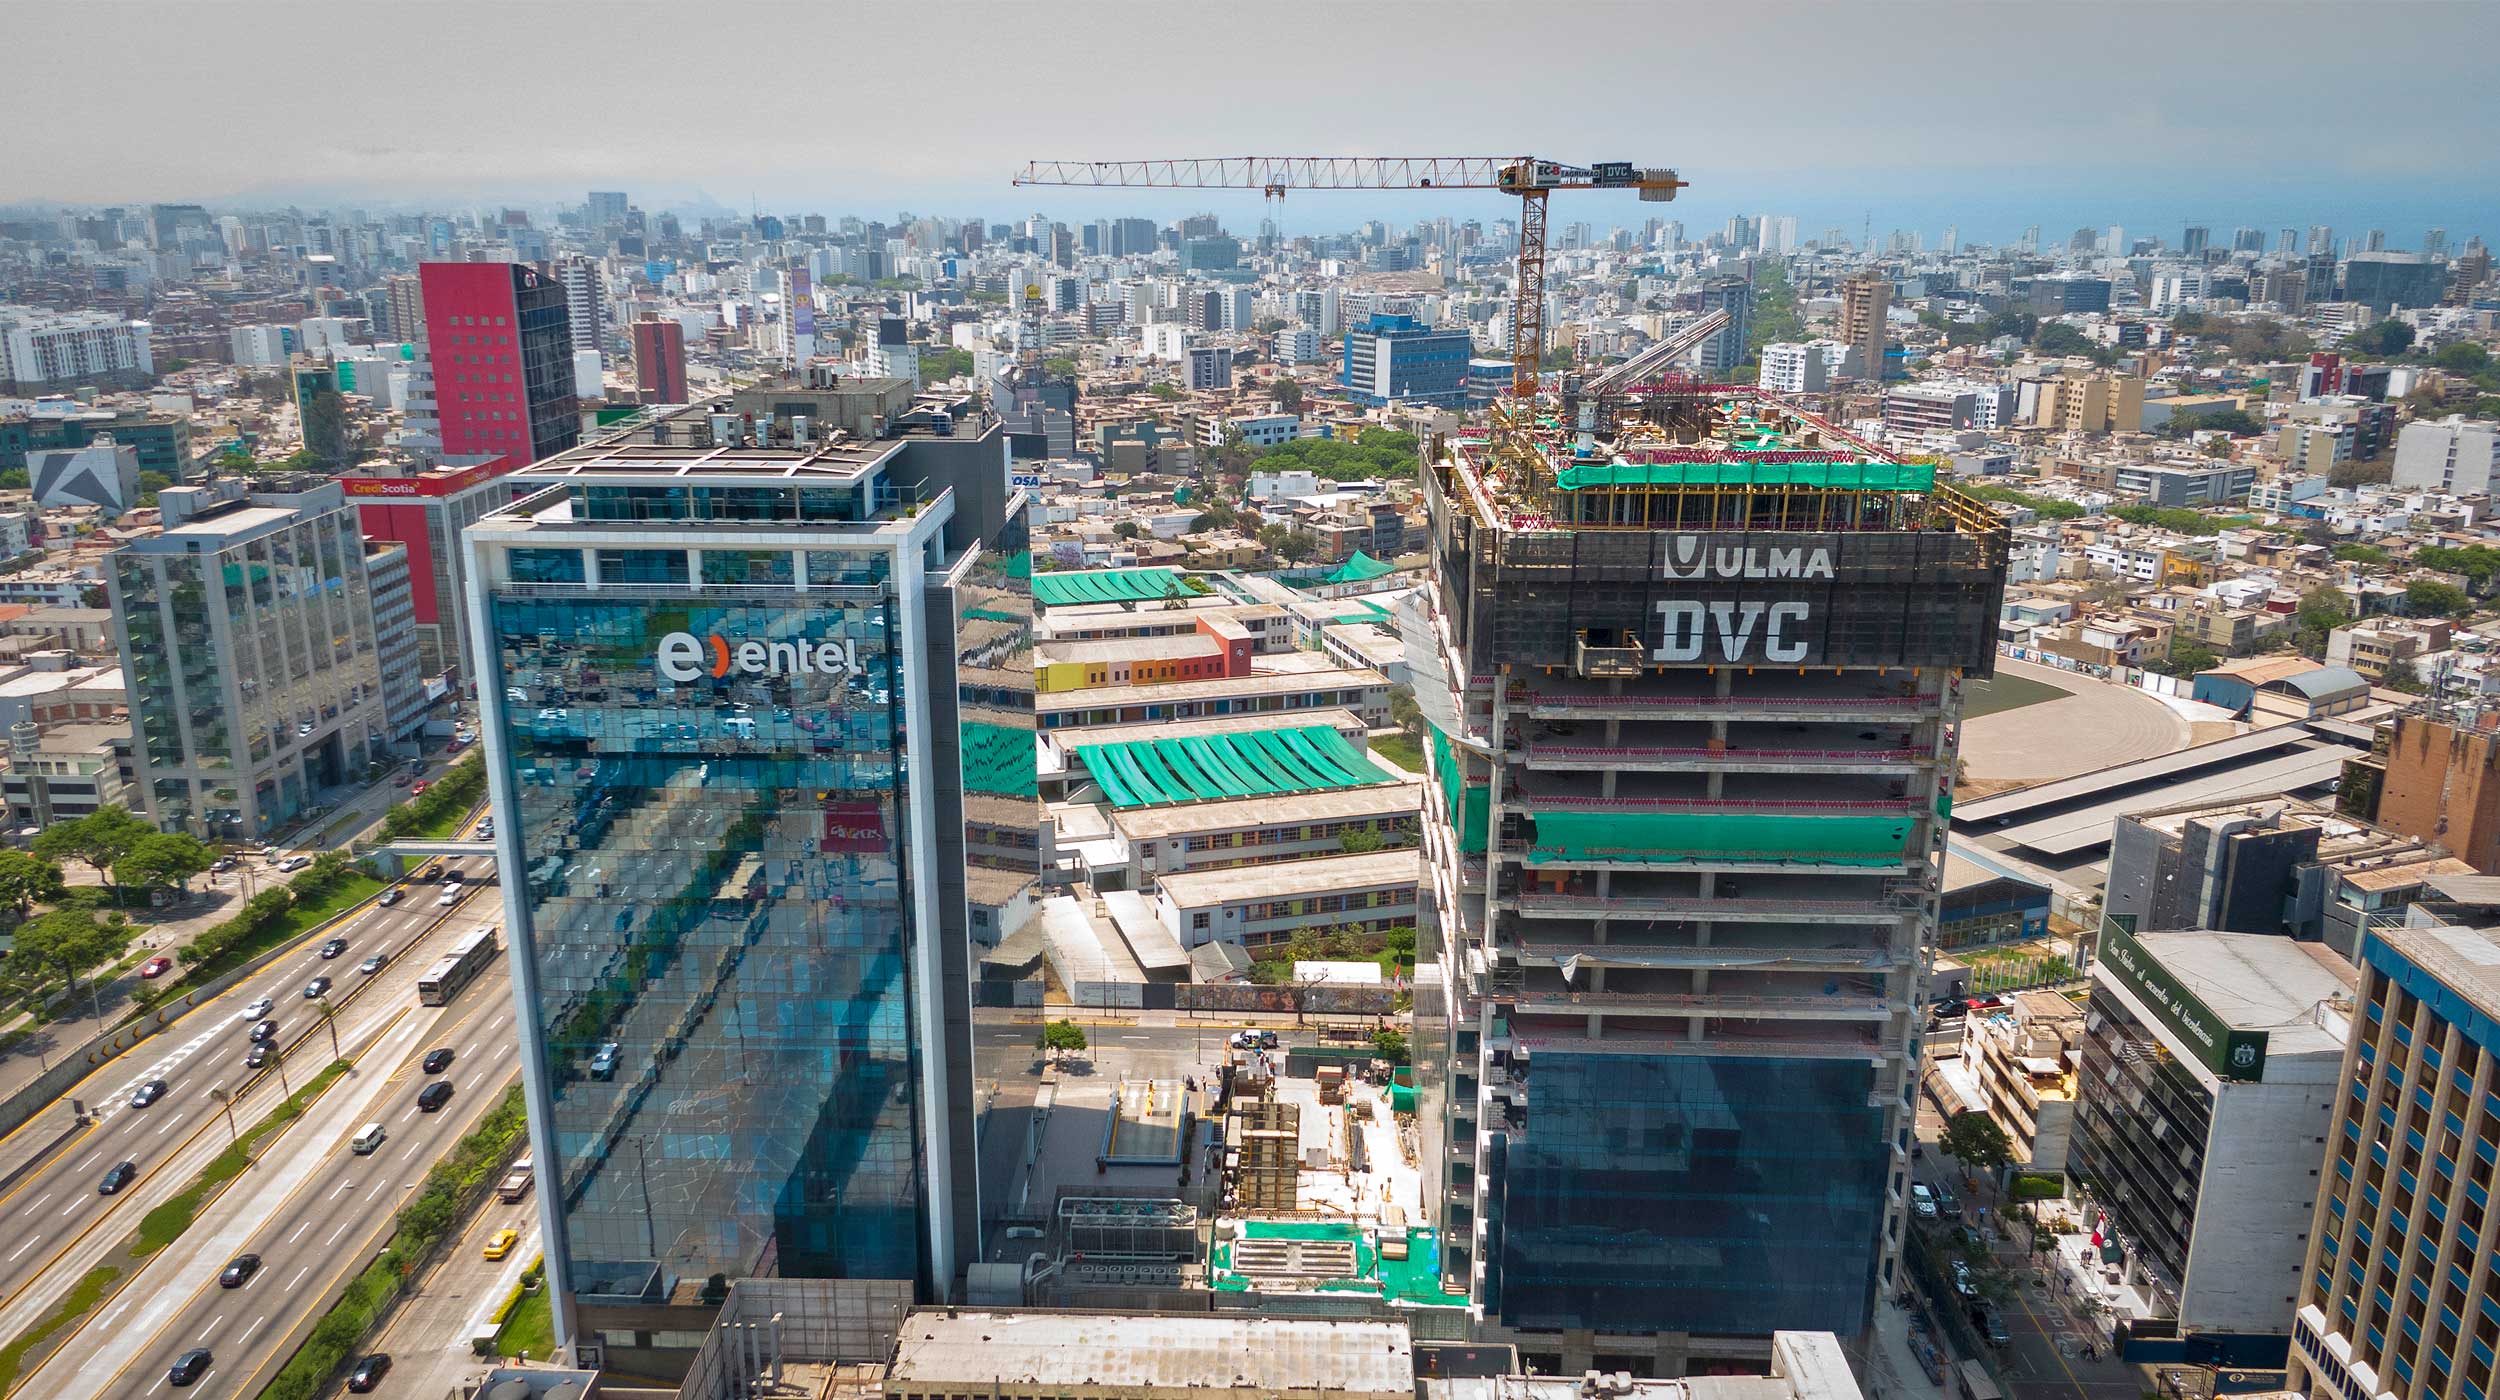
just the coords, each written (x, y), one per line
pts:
(1425, 1324)
(1282, 998)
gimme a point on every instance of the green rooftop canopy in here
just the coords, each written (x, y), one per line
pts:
(1253, 763)
(1060, 590)
(1362, 568)
(1830, 476)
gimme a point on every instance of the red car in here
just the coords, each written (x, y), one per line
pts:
(156, 967)
(418, 787)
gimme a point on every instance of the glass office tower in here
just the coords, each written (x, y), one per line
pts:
(718, 690)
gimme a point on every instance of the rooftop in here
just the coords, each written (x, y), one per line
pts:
(1197, 888)
(970, 1350)
(2260, 982)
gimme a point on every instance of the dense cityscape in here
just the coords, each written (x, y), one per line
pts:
(1412, 778)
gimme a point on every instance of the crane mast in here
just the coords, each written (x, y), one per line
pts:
(1528, 178)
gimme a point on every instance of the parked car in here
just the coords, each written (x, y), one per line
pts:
(240, 1271)
(1922, 1200)
(316, 989)
(434, 1096)
(1962, 1283)
(155, 967)
(501, 1243)
(333, 948)
(294, 863)
(147, 1093)
(368, 1372)
(192, 1365)
(436, 1060)
(1992, 1323)
(119, 1176)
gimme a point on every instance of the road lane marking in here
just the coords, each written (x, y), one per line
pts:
(73, 1205)
(256, 1322)
(344, 1183)
(211, 1327)
(21, 1249)
(299, 1232)
(344, 1227)
(299, 1277)
(30, 1206)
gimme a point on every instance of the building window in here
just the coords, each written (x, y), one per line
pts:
(546, 565)
(642, 566)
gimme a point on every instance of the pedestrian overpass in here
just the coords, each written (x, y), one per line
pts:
(396, 858)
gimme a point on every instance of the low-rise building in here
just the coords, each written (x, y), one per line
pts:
(952, 1353)
(1260, 906)
(2382, 647)
(64, 772)
(2022, 1059)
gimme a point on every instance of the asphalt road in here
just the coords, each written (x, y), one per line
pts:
(313, 1239)
(58, 1202)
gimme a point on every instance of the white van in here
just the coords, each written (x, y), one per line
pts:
(366, 1140)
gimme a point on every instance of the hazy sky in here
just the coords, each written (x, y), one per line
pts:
(1989, 115)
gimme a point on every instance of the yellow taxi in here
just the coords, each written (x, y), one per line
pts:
(501, 1242)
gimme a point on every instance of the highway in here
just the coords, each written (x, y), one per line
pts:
(57, 1226)
(318, 1219)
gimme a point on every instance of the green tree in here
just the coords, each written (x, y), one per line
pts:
(1169, 393)
(1298, 545)
(325, 427)
(152, 482)
(2058, 338)
(2464, 357)
(2431, 598)
(2187, 658)
(1063, 1037)
(233, 459)
(1288, 394)
(15, 479)
(98, 839)
(1974, 1140)
(2369, 556)
(1389, 1045)
(26, 881)
(1127, 530)
(2384, 338)
(2322, 610)
(69, 941)
(1361, 840)
(160, 859)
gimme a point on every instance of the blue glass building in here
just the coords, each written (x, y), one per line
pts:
(1394, 358)
(720, 695)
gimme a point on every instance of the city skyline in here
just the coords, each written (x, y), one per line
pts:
(2165, 137)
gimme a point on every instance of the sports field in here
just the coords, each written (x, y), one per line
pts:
(2006, 692)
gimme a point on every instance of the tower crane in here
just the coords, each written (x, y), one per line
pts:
(1528, 178)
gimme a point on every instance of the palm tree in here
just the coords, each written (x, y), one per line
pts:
(330, 1020)
(225, 1100)
(277, 1057)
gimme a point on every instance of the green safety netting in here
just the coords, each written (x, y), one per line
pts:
(1000, 760)
(1470, 808)
(1020, 564)
(1835, 476)
(1253, 763)
(1059, 590)
(1668, 837)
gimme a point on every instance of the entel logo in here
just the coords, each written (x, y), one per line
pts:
(683, 656)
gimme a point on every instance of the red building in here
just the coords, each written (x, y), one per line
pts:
(660, 360)
(426, 512)
(501, 342)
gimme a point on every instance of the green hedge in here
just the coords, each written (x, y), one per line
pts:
(330, 886)
(438, 809)
(449, 1185)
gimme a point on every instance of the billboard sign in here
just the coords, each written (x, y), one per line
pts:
(2230, 1054)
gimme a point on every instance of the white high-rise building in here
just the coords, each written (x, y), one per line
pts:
(43, 347)
(2452, 455)
(1794, 367)
(584, 305)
